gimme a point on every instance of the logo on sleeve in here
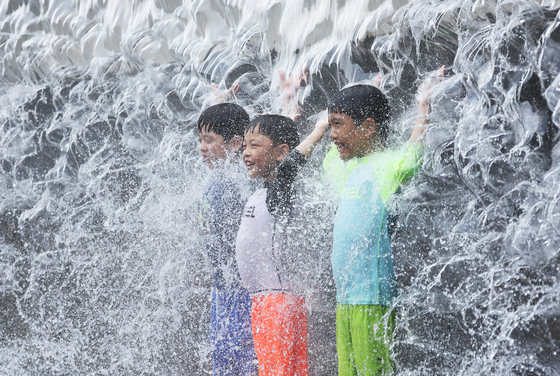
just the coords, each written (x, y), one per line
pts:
(250, 211)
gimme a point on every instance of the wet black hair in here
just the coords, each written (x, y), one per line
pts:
(361, 102)
(280, 129)
(224, 119)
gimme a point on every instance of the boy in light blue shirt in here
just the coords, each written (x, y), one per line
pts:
(366, 173)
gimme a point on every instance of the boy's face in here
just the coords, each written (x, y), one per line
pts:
(261, 156)
(213, 148)
(351, 141)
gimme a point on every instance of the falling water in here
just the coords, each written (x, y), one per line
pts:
(102, 270)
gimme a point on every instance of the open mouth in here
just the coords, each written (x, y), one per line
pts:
(340, 147)
(249, 165)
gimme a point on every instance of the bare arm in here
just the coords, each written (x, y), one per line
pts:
(306, 146)
(288, 95)
(424, 93)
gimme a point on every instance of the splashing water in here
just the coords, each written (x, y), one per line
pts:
(102, 269)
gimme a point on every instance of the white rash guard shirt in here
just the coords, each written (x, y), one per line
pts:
(259, 246)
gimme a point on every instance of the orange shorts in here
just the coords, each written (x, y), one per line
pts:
(279, 326)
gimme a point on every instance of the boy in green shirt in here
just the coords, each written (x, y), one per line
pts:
(367, 174)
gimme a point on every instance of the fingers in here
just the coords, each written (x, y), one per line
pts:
(222, 96)
(439, 75)
(234, 88)
(323, 122)
(282, 75)
(304, 74)
(322, 126)
(434, 78)
(294, 81)
(286, 84)
(425, 89)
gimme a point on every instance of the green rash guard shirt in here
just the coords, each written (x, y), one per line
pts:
(362, 261)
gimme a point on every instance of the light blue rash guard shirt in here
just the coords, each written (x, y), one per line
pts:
(362, 261)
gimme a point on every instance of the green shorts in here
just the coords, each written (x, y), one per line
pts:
(363, 337)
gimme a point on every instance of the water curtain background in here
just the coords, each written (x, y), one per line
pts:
(102, 271)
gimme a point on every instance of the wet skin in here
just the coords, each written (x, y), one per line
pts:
(352, 141)
(214, 149)
(261, 156)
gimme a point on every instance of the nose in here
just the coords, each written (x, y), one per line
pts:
(202, 146)
(332, 135)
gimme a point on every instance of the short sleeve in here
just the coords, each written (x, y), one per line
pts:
(401, 165)
(336, 170)
(279, 192)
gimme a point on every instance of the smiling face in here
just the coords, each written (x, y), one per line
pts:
(260, 156)
(213, 148)
(352, 141)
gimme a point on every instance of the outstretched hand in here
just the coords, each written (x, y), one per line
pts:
(288, 92)
(293, 82)
(425, 90)
(307, 146)
(377, 82)
(423, 96)
(221, 96)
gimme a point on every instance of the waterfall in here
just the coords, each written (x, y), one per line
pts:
(102, 268)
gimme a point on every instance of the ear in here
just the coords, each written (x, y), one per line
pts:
(235, 143)
(282, 151)
(369, 127)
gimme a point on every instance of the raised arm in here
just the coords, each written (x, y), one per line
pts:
(424, 93)
(306, 146)
(288, 95)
